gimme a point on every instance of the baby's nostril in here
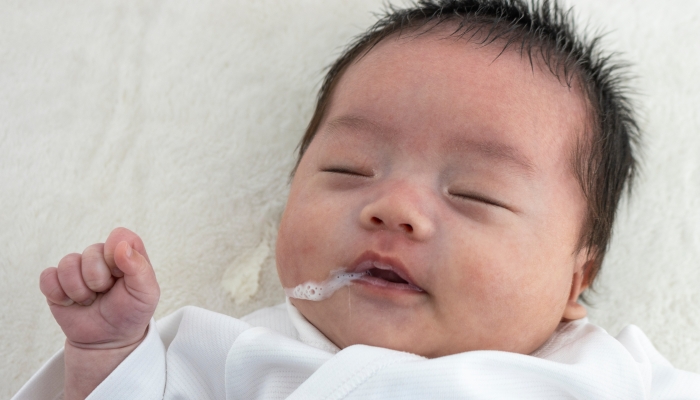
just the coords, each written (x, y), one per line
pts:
(408, 228)
(376, 221)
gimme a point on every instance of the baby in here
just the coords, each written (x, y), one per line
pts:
(455, 192)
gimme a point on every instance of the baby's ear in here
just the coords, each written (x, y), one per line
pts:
(579, 283)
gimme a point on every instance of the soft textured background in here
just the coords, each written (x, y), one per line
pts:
(179, 119)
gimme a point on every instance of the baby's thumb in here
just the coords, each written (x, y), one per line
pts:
(139, 277)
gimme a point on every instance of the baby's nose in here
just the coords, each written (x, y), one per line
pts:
(401, 210)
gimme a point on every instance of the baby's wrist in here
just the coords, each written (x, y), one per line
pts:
(122, 343)
(87, 367)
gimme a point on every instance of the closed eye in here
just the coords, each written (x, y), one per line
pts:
(345, 171)
(479, 198)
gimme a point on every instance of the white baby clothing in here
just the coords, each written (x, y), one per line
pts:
(275, 353)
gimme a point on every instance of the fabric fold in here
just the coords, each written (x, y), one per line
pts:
(275, 353)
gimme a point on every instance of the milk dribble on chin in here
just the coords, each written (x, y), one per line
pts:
(317, 291)
(374, 272)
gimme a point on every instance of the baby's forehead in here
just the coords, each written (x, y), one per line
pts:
(358, 134)
(480, 92)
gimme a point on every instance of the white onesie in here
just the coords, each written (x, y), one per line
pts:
(274, 353)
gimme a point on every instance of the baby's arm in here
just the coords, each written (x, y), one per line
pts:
(103, 300)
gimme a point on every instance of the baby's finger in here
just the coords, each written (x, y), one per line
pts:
(71, 280)
(51, 287)
(139, 277)
(96, 274)
(117, 236)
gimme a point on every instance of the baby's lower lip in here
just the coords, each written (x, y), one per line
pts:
(382, 283)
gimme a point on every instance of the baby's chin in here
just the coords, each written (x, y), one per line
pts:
(346, 320)
(437, 348)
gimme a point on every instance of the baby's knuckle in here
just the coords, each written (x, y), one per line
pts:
(122, 233)
(91, 275)
(96, 278)
(46, 274)
(96, 283)
(69, 260)
(92, 260)
(68, 271)
(47, 279)
(56, 294)
(119, 229)
(94, 251)
(77, 292)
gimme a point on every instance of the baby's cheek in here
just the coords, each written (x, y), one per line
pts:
(285, 256)
(295, 252)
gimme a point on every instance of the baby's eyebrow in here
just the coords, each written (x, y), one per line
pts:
(493, 150)
(354, 122)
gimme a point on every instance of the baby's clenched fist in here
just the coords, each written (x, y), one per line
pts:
(105, 297)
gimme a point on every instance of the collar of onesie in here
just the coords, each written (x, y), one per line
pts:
(307, 332)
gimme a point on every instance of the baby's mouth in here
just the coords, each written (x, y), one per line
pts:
(386, 275)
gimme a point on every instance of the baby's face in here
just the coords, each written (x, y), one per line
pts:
(453, 171)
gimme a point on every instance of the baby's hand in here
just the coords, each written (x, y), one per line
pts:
(104, 298)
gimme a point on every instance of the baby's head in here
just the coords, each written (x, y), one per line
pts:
(470, 156)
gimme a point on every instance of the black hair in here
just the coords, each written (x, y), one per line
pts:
(604, 160)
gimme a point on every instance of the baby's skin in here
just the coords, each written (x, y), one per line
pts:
(103, 299)
(440, 177)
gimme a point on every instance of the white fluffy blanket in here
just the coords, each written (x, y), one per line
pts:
(179, 120)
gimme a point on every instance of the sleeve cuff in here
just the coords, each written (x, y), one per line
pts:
(140, 376)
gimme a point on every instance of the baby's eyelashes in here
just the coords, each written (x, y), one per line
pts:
(348, 171)
(478, 198)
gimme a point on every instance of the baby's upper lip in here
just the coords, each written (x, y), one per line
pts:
(369, 259)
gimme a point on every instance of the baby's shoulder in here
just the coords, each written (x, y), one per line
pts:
(582, 336)
(630, 353)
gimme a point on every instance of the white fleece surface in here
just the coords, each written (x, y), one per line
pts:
(179, 120)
